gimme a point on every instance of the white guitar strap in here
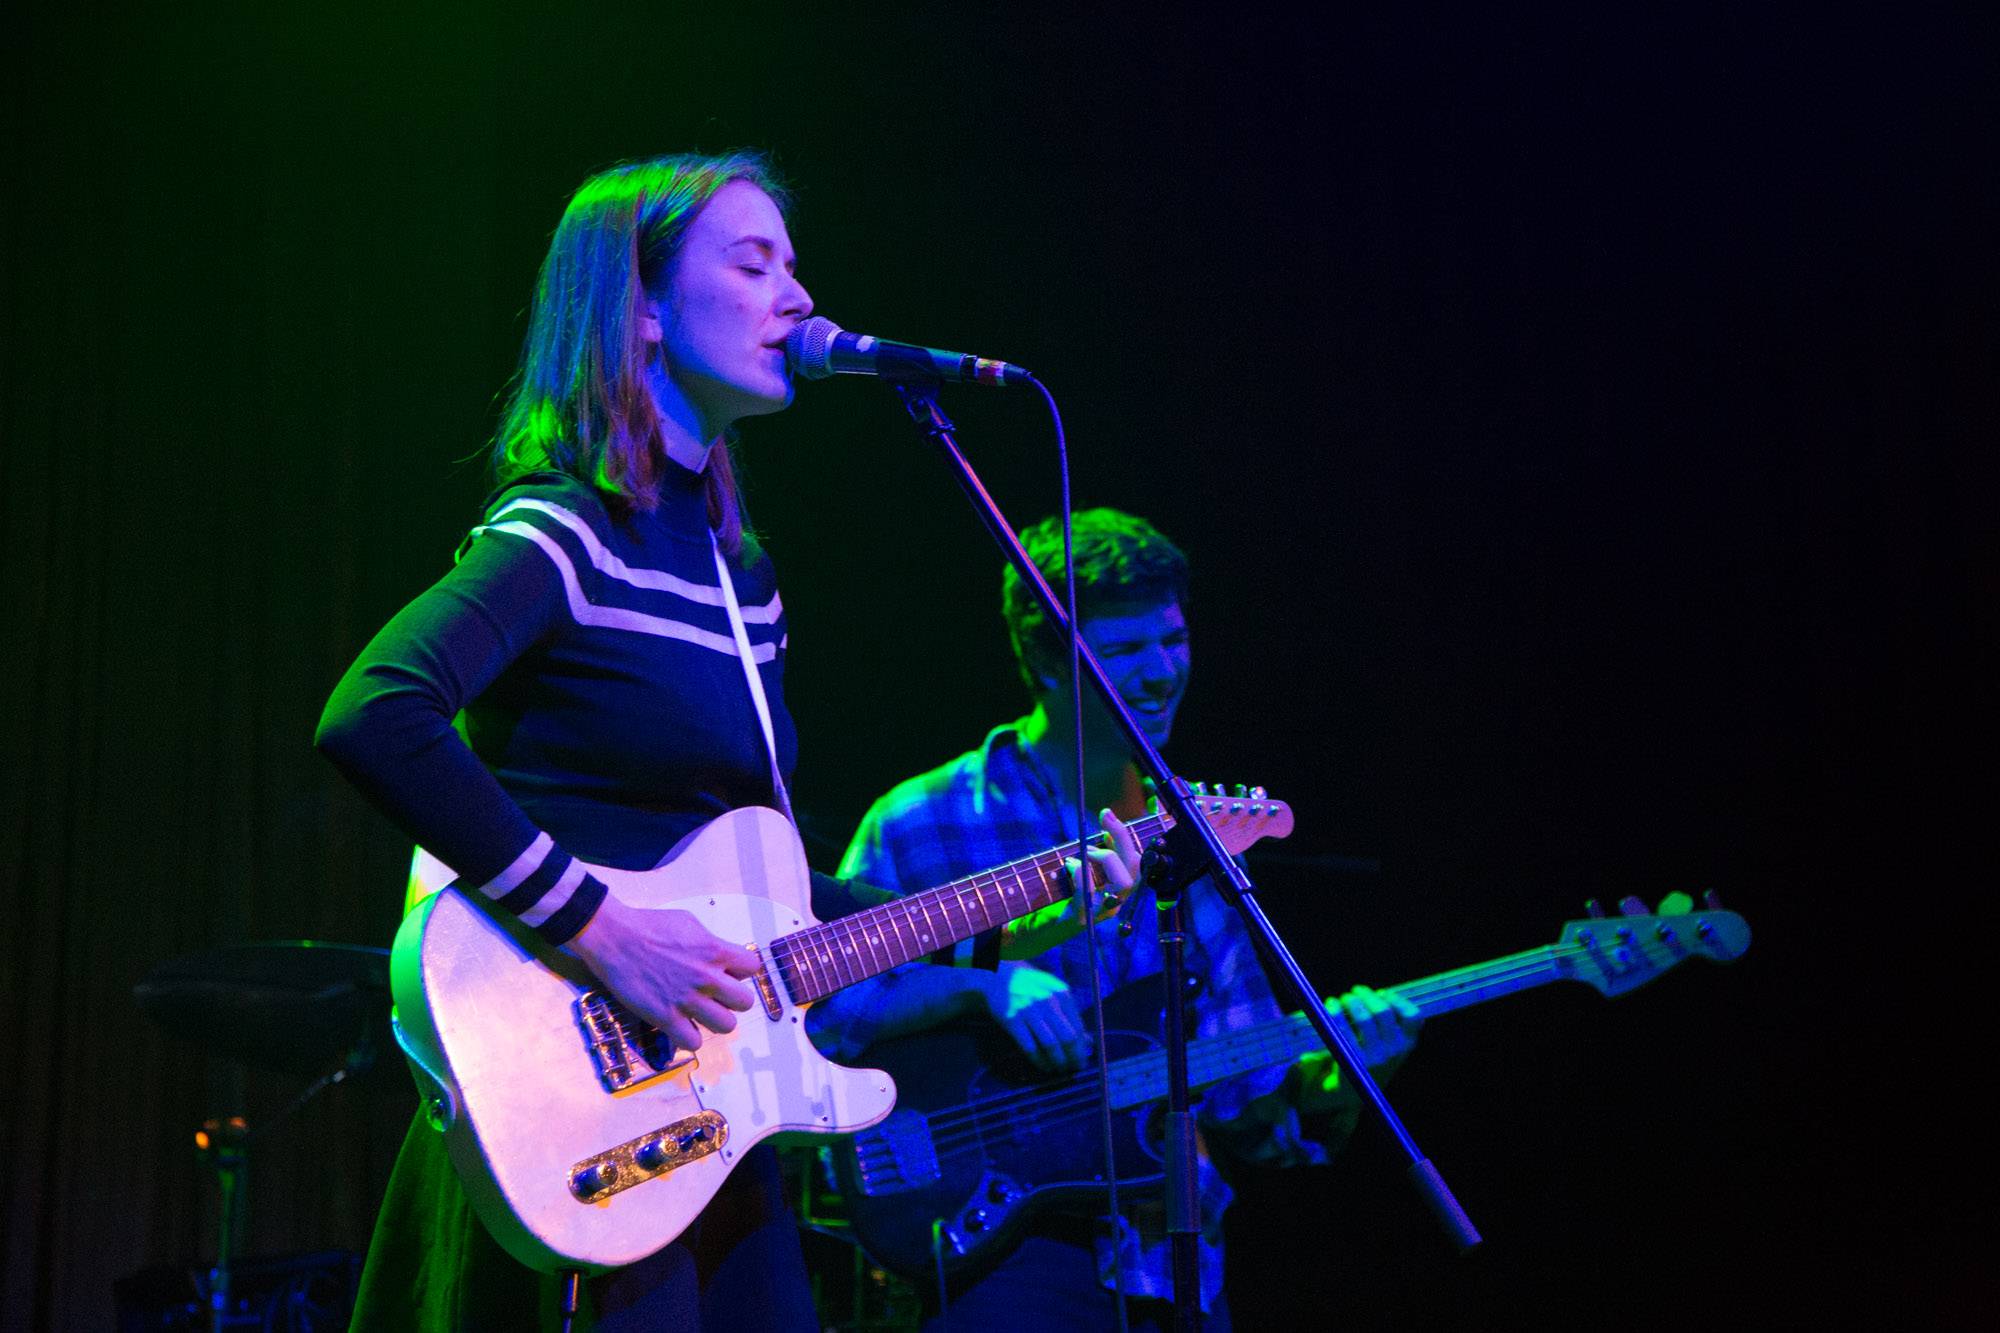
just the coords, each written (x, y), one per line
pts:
(751, 674)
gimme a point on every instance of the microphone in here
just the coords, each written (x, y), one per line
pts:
(818, 347)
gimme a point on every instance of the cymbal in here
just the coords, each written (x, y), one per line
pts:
(298, 1006)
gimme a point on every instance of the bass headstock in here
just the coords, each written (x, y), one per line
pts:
(1616, 954)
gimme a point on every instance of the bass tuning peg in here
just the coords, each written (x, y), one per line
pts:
(1593, 907)
(1633, 905)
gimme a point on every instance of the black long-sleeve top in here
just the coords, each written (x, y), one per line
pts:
(571, 689)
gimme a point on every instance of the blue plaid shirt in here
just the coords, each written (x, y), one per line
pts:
(996, 804)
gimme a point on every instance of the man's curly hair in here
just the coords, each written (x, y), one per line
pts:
(1121, 560)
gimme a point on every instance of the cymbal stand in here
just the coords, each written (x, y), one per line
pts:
(224, 1142)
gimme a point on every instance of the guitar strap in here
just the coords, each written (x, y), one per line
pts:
(751, 674)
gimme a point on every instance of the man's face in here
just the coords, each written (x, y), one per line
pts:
(1144, 649)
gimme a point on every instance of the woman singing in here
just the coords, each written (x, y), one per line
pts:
(571, 691)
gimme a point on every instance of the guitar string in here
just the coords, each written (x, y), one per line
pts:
(824, 939)
(948, 1129)
(843, 928)
(1270, 1044)
(831, 946)
(1507, 973)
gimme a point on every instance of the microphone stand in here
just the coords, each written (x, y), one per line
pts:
(1191, 850)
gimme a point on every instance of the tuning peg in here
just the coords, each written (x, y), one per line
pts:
(1676, 904)
(1633, 905)
(1711, 900)
(1241, 791)
(1259, 794)
(1197, 788)
(1593, 907)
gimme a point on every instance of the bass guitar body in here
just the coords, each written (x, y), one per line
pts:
(980, 1144)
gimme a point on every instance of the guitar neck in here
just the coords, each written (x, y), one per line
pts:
(816, 962)
(1139, 1079)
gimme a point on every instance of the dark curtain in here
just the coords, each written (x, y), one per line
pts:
(1581, 423)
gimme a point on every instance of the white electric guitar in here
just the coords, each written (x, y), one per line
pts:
(583, 1138)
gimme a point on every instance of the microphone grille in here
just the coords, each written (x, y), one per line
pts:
(808, 347)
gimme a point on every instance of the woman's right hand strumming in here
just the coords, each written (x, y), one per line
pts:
(668, 969)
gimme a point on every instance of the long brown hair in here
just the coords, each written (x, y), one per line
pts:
(579, 402)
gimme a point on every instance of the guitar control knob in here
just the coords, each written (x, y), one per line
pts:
(593, 1179)
(651, 1155)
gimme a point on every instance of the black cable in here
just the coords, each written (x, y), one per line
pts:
(1086, 895)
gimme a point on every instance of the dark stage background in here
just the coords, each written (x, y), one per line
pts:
(1572, 416)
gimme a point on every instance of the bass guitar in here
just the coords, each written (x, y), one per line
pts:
(583, 1138)
(977, 1146)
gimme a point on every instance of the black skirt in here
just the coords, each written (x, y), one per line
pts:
(432, 1265)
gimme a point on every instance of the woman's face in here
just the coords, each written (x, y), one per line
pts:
(731, 299)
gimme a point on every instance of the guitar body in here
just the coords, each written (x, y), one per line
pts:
(566, 1169)
(983, 1144)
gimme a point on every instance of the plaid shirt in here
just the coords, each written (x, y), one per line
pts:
(995, 804)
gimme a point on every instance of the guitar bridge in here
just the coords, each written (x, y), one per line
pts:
(597, 1178)
(897, 1155)
(625, 1051)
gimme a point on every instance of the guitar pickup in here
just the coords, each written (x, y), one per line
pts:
(897, 1155)
(625, 1051)
(615, 1170)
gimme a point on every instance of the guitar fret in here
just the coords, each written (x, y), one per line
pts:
(1049, 880)
(943, 898)
(890, 935)
(829, 958)
(809, 964)
(914, 947)
(801, 955)
(983, 896)
(820, 959)
(1027, 904)
(930, 937)
(844, 934)
(871, 935)
(983, 887)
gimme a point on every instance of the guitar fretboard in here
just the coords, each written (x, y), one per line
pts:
(1138, 1079)
(815, 962)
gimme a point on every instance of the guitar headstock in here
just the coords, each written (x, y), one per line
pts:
(1240, 816)
(1617, 954)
